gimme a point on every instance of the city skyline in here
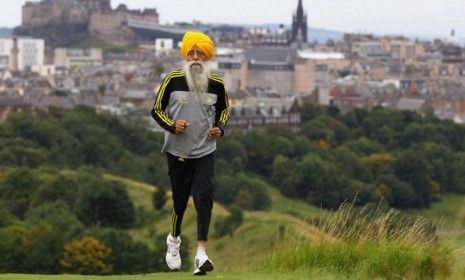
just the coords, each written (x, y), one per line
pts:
(427, 18)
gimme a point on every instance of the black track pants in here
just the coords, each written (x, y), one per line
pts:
(192, 176)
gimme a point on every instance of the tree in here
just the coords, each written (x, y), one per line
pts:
(17, 190)
(414, 133)
(242, 190)
(58, 214)
(331, 189)
(259, 155)
(159, 198)
(128, 256)
(316, 130)
(105, 203)
(399, 194)
(456, 176)
(86, 256)
(6, 217)
(44, 249)
(21, 152)
(13, 248)
(64, 188)
(309, 111)
(232, 156)
(227, 225)
(413, 168)
(354, 117)
(365, 147)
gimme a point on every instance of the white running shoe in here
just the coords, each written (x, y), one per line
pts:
(202, 263)
(173, 259)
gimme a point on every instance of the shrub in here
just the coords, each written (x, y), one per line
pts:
(86, 256)
(227, 225)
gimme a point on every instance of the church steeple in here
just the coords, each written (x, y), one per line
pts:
(299, 25)
(300, 10)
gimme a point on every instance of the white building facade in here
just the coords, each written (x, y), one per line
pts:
(30, 52)
(78, 57)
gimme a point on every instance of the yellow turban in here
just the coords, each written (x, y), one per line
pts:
(200, 40)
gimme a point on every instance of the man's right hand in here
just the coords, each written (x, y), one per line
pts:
(181, 126)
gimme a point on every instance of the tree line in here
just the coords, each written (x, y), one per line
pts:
(402, 158)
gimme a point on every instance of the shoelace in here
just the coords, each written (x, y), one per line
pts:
(173, 247)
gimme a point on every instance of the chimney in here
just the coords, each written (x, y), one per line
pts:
(14, 55)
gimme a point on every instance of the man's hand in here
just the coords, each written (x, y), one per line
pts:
(214, 133)
(181, 126)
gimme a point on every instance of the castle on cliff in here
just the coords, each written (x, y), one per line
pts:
(97, 16)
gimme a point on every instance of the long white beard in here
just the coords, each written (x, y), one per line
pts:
(197, 75)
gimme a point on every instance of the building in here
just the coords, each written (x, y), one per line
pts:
(13, 104)
(47, 12)
(256, 112)
(299, 25)
(451, 51)
(370, 49)
(404, 49)
(163, 46)
(30, 52)
(270, 68)
(316, 70)
(79, 16)
(119, 26)
(77, 57)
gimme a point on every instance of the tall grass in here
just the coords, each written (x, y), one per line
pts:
(367, 243)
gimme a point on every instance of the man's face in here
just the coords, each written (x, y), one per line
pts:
(196, 54)
(196, 57)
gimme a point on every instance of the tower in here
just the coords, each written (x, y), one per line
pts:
(299, 25)
(14, 55)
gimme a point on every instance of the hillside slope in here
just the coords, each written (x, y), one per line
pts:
(250, 244)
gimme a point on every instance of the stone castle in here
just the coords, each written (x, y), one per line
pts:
(97, 16)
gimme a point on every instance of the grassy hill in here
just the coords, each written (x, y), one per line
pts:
(262, 235)
(250, 244)
(259, 236)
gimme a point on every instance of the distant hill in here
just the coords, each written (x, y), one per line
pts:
(323, 35)
(5, 32)
(320, 35)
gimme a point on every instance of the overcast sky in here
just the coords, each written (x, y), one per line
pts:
(408, 17)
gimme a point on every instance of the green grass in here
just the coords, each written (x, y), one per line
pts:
(313, 274)
(369, 244)
(449, 215)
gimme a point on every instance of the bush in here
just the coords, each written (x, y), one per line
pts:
(227, 225)
(86, 256)
(159, 199)
(243, 191)
(105, 203)
(17, 189)
(127, 256)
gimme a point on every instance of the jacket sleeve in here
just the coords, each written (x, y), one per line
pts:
(161, 101)
(222, 104)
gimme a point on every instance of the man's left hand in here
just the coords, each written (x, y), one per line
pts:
(214, 133)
